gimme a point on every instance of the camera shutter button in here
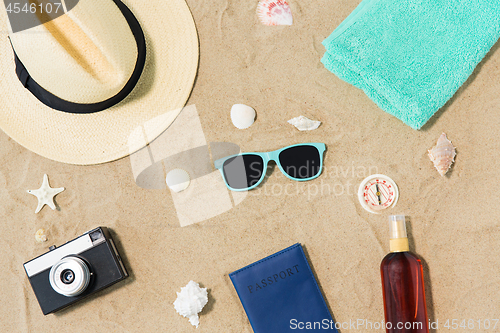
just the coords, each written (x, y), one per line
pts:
(53, 247)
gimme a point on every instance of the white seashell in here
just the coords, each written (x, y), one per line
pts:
(190, 301)
(443, 154)
(304, 124)
(40, 236)
(274, 12)
(242, 116)
(178, 180)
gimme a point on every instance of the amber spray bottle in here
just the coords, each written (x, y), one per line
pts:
(403, 284)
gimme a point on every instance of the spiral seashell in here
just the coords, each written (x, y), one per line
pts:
(40, 236)
(443, 155)
(189, 306)
(190, 301)
(274, 12)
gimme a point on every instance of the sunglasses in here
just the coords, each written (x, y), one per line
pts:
(246, 171)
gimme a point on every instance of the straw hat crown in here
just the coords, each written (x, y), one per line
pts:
(84, 56)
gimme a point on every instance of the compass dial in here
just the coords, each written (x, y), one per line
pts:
(378, 192)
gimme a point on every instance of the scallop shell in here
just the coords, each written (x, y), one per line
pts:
(443, 154)
(190, 301)
(304, 124)
(40, 236)
(242, 116)
(274, 12)
(178, 180)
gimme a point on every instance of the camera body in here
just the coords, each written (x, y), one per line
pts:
(75, 270)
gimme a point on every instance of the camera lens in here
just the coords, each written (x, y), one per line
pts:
(70, 276)
(67, 276)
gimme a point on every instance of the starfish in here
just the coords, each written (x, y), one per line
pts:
(45, 194)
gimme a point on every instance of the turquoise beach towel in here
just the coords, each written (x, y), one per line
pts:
(411, 56)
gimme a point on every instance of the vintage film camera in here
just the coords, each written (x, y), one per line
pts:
(77, 269)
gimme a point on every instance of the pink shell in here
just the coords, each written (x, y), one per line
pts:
(443, 154)
(275, 12)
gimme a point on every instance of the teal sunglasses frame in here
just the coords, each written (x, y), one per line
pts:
(272, 156)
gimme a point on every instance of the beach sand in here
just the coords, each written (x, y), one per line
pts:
(453, 222)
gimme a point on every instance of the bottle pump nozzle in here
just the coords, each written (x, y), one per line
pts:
(397, 232)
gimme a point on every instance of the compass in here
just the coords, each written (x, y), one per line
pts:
(378, 192)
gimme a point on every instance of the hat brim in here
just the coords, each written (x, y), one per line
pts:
(84, 139)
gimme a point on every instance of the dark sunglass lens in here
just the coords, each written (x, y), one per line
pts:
(301, 162)
(243, 171)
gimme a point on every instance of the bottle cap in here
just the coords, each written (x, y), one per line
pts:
(397, 234)
(397, 227)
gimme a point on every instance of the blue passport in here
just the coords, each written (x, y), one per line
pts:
(280, 294)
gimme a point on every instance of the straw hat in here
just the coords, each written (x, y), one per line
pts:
(87, 60)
